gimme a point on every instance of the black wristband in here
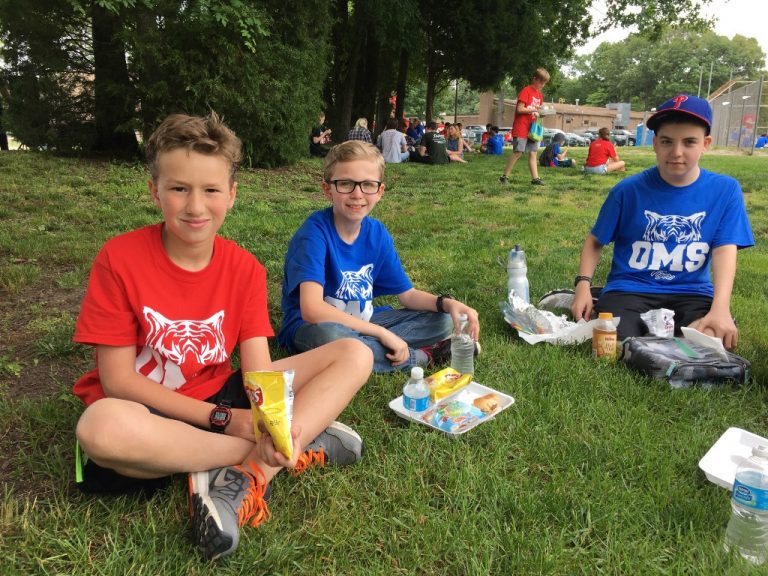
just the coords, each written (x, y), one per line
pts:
(439, 304)
(582, 279)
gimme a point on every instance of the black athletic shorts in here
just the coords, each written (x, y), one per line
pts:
(629, 305)
(94, 479)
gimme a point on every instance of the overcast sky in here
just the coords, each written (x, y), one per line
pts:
(746, 17)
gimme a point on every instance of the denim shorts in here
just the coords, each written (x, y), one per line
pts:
(602, 169)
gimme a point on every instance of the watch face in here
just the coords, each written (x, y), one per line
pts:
(219, 417)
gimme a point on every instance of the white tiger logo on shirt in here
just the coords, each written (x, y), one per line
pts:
(356, 287)
(171, 344)
(661, 228)
(651, 253)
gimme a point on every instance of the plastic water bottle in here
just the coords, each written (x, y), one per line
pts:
(747, 530)
(416, 391)
(463, 349)
(517, 271)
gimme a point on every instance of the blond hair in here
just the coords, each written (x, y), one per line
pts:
(350, 151)
(206, 135)
(361, 122)
(541, 74)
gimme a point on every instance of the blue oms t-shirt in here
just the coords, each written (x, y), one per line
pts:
(664, 235)
(352, 275)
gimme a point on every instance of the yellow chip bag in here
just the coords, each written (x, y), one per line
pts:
(445, 383)
(271, 396)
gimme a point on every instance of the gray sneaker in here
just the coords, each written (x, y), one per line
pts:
(338, 444)
(220, 502)
(503, 179)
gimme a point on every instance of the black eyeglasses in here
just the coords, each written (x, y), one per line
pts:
(347, 186)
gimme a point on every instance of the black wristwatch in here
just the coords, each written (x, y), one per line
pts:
(439, 304)
(221, 416)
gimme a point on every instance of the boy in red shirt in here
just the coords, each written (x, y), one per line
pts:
(602, 157)
(529, 101)
(165, 307)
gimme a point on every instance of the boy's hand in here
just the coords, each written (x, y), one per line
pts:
(399, 348)
(582, 302)
(266, 452)
(719, 325)
(456, 308)
(241, 424)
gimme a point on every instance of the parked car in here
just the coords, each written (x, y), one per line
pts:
(622, 137)
(573, 139)
(589, 133)
(473, 133)
(549, 134)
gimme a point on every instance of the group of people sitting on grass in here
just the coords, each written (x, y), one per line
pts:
(167, 304)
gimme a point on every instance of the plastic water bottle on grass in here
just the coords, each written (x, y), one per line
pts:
(463, 349)
(517, 273)
(747, 530)
(416, 391)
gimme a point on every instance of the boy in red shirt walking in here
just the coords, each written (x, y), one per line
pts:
(529, 101)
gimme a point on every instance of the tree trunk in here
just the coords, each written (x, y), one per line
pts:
(114, 103)
(402, 81)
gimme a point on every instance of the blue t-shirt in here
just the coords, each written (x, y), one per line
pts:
(555, 151)
(664, 235)
(495, 144)
(352, 275)
(762, 142)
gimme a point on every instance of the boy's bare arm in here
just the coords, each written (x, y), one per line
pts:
(718, 321)
(590, 256)
(119, 379)
(414, 299)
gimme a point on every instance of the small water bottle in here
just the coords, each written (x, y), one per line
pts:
(747, 530)
(416, 391)
(517, 271)
(463, 349)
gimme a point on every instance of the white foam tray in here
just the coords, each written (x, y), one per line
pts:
(467, 394)
(731, 449)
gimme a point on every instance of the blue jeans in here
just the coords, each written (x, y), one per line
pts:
(417, 327)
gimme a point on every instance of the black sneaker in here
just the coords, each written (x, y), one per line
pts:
(503, 179)
(220, 502)
(537, 182)
(338, 444)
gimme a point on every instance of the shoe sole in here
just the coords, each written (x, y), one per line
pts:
(342, 432)
(206, 523)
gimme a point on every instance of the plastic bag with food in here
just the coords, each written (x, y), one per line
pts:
(271, 396)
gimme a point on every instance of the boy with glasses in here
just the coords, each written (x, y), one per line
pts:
(340, 259)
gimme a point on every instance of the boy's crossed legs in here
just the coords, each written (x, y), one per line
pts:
(228, 474)
(418, 328)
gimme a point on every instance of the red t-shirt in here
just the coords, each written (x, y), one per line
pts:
(521, 125)
(599, 152)
(184, 324)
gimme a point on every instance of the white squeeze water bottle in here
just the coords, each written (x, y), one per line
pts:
(517, 270)
(463, 349)
(416, 391)
(747, 530)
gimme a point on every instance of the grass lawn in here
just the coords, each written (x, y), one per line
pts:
(592, 470)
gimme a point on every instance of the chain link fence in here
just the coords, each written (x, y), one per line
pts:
(740, 115)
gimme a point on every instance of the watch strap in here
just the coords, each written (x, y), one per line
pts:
(439, 304)
(582, 279)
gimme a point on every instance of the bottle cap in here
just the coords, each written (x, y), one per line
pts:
(417, 372)
(605, 316)
(517, 248)
(760, 450)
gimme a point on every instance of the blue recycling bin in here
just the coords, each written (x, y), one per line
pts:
(643, 135)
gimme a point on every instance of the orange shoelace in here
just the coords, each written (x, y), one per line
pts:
(307, 460)
(254, 509)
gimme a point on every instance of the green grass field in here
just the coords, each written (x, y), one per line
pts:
(592, 471)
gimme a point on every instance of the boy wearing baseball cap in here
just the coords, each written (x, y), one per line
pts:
(670, 225)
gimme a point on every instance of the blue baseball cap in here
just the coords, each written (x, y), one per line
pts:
(691, 106)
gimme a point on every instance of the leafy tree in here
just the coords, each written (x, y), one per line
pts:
(645, 71)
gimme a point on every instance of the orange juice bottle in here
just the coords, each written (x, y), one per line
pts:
(604, 339)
